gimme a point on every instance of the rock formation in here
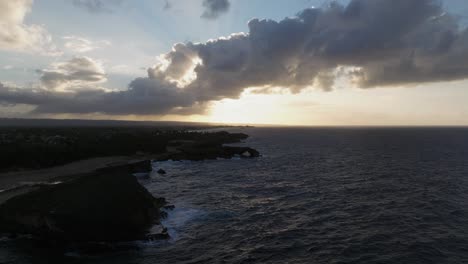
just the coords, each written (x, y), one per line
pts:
(108, 205)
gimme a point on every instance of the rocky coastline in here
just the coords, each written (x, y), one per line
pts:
(107, 204)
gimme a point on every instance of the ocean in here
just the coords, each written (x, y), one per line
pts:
(317, 195)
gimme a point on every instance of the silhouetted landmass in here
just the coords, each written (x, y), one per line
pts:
(177, 125)
(106, 205)
(21, 122)
(41, 147)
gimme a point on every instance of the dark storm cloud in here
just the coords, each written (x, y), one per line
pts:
(141, 98)
(97, 6)
(385, 42)
(215, 8)
(373, 43)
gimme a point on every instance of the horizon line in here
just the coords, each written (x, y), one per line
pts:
(227, 123)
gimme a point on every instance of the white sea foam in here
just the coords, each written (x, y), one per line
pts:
(178, 218)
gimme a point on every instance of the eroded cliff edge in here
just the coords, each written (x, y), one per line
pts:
(108, 203)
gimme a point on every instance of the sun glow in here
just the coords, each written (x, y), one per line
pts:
(258, 109)
(350, 106)
(190, 75)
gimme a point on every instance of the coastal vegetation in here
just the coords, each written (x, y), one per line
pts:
(34, 148)
(105, 203)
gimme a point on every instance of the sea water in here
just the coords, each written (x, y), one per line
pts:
(317, 195)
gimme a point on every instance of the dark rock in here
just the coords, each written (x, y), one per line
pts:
(206, 152)
(160, 236)
(12, 236)
(99, 248)
(161, 171)
(101, 206)
(158, 233)
(163, 214)
(244, 152)
(169, 207)
(141, 166)
(142, 175)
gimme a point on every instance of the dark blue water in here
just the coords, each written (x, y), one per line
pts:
(367, 195)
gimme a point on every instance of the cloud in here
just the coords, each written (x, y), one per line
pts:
(17, 36)
(82, 45)
(97, 6)
(372, 43)
(214, 8)
(141, 98)
(77, 73)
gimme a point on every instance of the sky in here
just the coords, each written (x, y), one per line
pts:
(289, 62)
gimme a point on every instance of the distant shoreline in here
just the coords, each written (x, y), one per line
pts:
(145, 145)
(33, 123)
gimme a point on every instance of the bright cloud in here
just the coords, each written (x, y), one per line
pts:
(17, 36)
(76, 73)
(82, 45)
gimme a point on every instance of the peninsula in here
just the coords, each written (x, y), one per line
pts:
(77, 183)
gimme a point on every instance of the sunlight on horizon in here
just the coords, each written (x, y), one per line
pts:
(419, 105)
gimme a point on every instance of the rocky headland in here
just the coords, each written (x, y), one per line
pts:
(107, 203)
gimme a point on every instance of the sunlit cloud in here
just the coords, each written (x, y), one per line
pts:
(364, 44)
(15, 35)
(76, 73)
(82, 45)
